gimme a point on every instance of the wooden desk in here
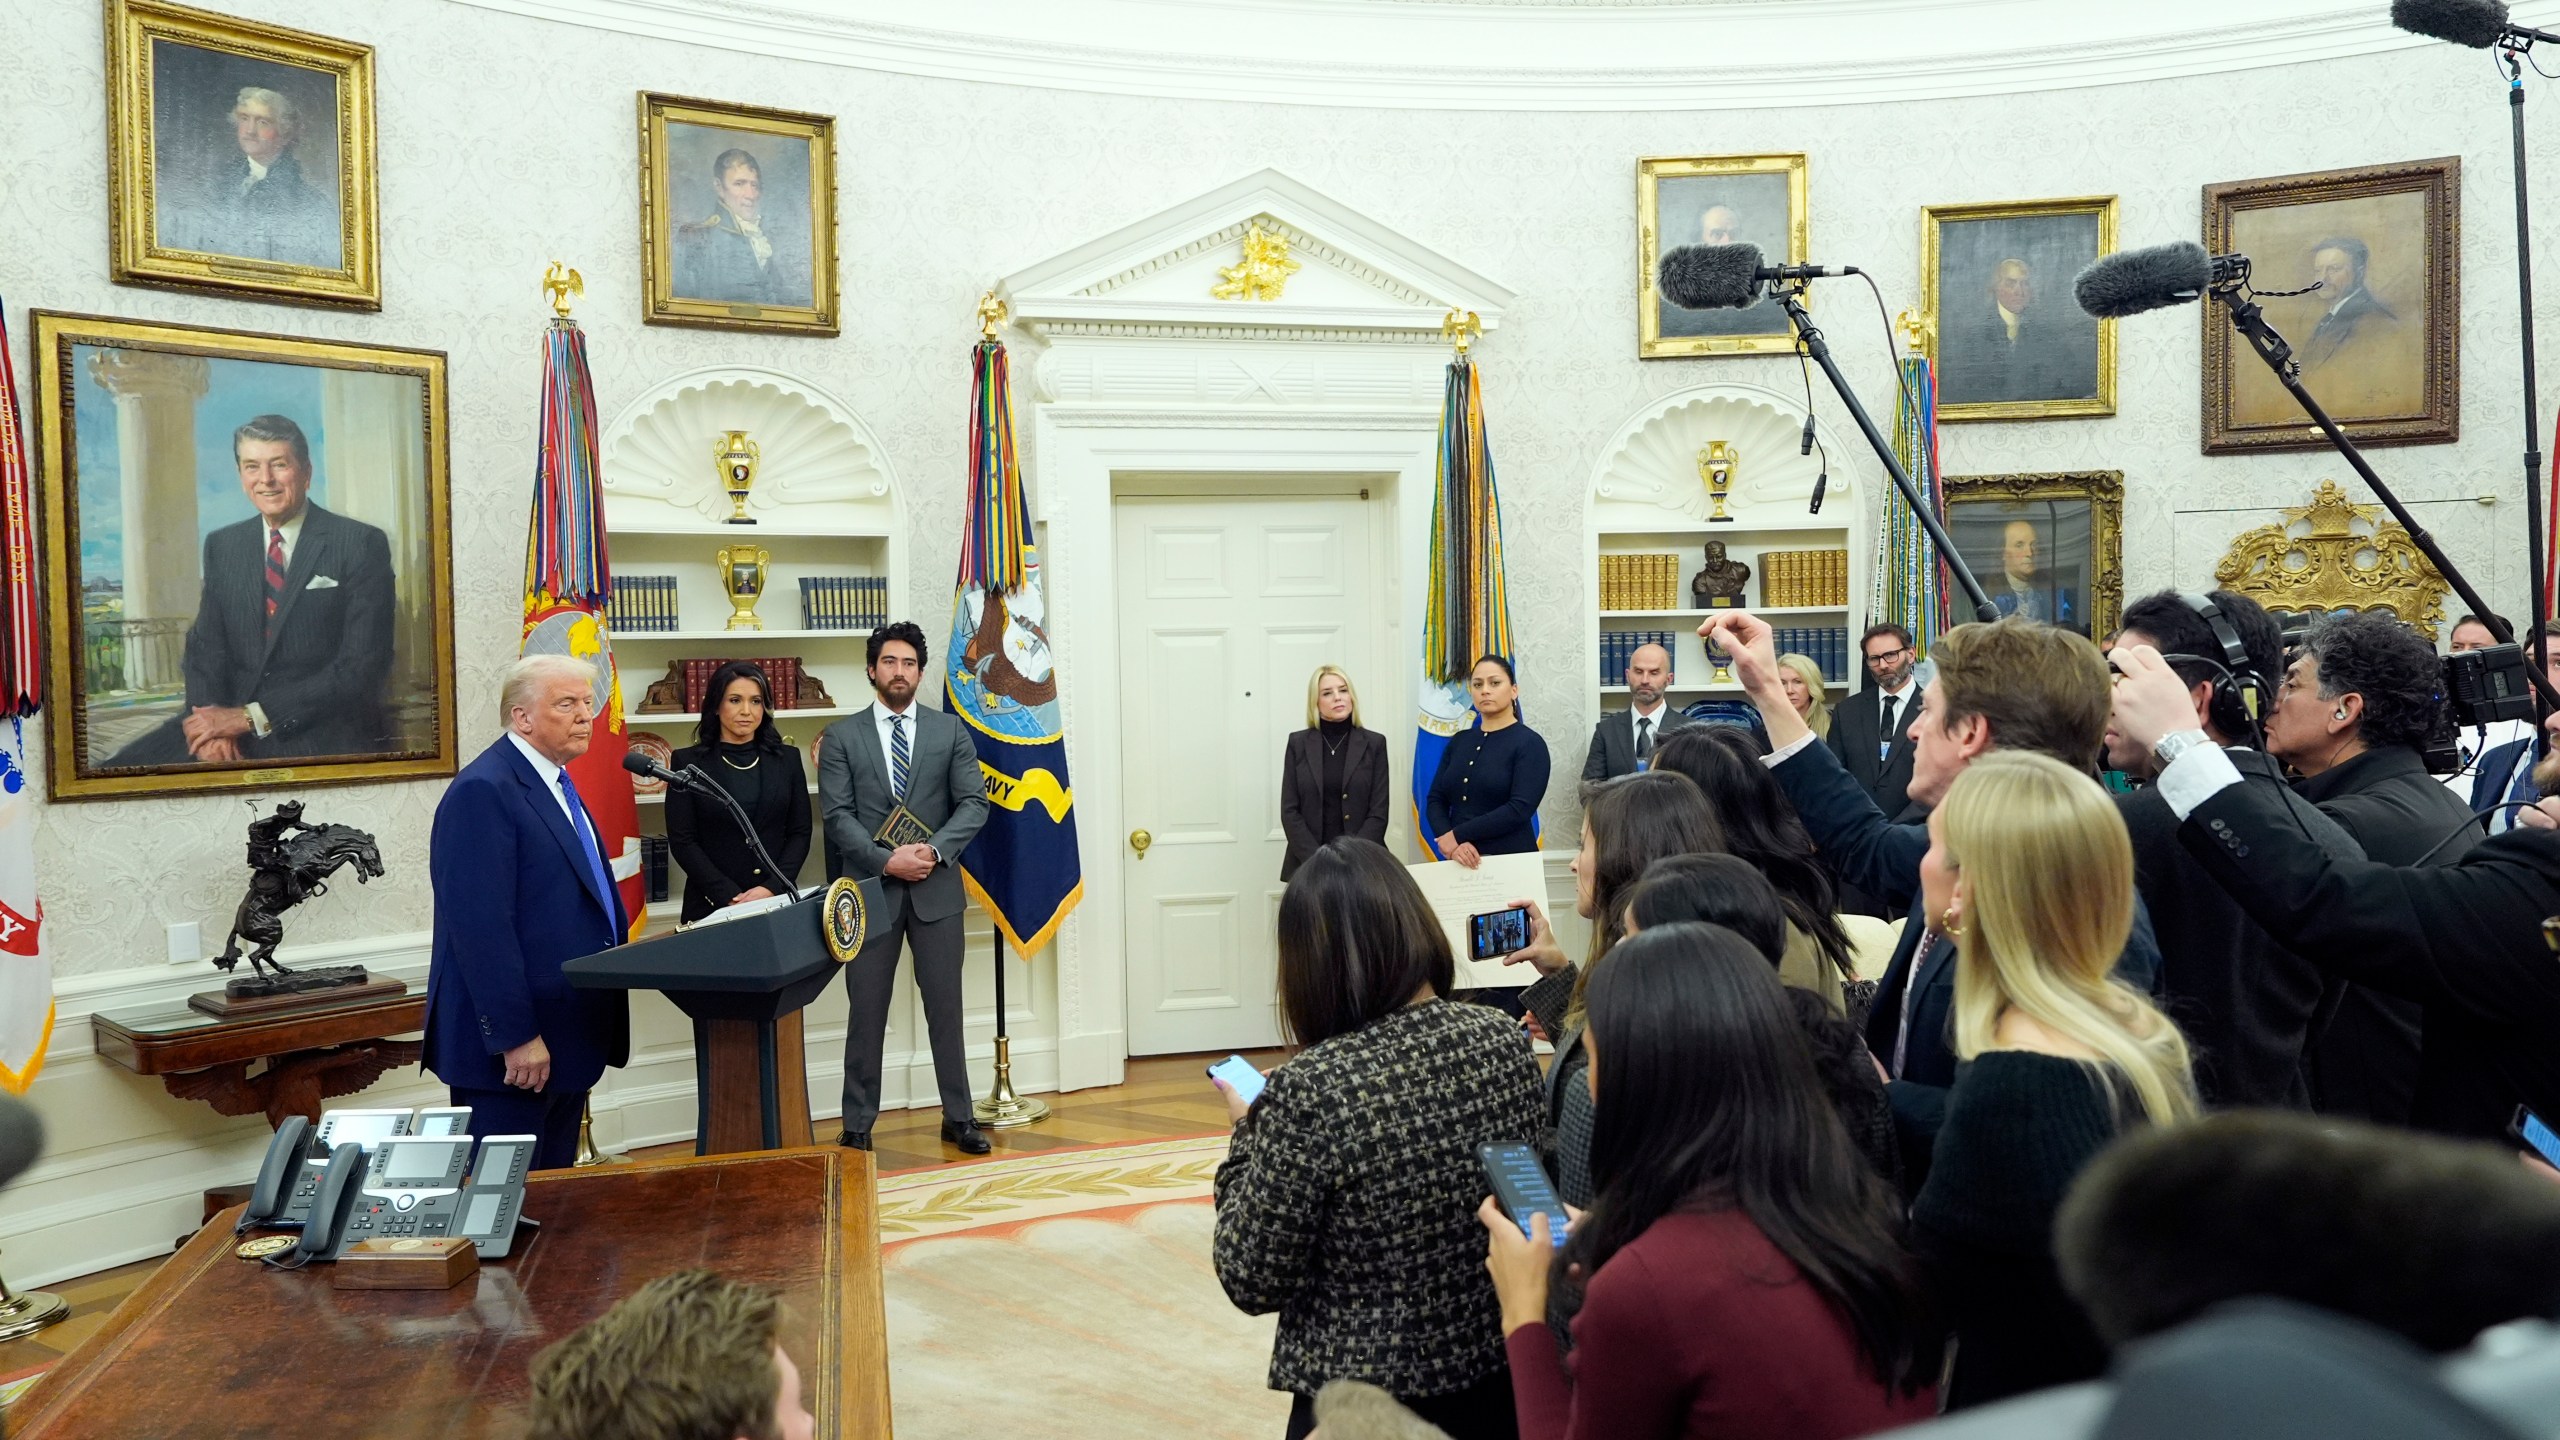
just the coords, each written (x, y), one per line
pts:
(216, 1346)
(311, 1055)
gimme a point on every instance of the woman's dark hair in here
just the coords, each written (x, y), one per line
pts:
(1356, 940)
(707, 732)
(1705, 1099)
(905, 631)
(1635, 820)
(1712, 890)
(1761, 827)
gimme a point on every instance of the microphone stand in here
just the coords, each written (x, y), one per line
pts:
(2511, 50)
(1809, 337)
(703, 781)
(2270, 346)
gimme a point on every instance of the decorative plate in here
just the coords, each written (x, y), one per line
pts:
(654, 746)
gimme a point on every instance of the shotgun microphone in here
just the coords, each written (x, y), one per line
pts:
(2479, 24)
(1727, 277)
(2154, 278)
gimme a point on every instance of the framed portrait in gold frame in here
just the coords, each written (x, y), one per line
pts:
(2379, 341)
(247, 569)
(737, 216)
(240, 158)
(2008, 341)
(2049, 546)
(1716, 200)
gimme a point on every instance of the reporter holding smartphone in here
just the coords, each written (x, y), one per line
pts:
(1740, 1272)
(1347, 1200)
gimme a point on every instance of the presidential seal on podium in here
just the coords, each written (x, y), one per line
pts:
(845, 919)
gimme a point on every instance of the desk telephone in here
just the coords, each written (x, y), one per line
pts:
(390, 1174)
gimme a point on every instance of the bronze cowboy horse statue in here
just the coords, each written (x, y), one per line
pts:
(286, 869)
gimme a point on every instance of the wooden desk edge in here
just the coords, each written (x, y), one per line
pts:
(58, 1387)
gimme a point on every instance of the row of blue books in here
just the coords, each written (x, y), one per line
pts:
(844, 602)
(1617, 645)
(642, 603)
(1825, 645)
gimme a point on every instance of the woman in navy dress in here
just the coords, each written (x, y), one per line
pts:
(1484, 797)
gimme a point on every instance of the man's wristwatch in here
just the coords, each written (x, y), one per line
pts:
(2173, 745)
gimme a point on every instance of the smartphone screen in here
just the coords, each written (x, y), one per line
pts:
(2536, 1132)
(1521, 1187)
(1240, 1076)
(1497, 933)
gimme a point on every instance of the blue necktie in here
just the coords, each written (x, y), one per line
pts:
(587, 838)
(900, 758)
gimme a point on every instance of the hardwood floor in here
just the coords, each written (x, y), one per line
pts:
(1164, 1097)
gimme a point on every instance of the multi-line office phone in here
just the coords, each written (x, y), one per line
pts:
(385, 1174)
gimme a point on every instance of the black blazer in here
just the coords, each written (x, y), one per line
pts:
(1857, 726)
(320, 675)
(1364, 777)
(1613, 741)
(703, 837)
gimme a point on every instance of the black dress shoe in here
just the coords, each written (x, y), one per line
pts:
(967, 1136)
(854, 1139)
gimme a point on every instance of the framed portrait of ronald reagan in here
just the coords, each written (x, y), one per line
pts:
(737, 216)
(2008, 339)
(248, 574)
(1716, 200)
(2377, 255)
(240, 158)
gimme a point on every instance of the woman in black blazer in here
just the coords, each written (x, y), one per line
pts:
(1333, 776)
(745, 755)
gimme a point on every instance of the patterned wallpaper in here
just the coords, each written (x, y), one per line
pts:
(506, 143)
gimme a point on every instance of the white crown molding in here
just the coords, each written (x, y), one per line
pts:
(1750, 54)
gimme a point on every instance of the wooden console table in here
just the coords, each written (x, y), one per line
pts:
(212, 1346)
(310, 1055)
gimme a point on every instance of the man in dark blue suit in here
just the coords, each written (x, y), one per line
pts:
(2012, 684)
(521, 888)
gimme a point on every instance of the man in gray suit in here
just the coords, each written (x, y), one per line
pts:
(1623, 741)
(890, 753)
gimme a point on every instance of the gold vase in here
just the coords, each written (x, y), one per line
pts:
(1715, 466)
(742, 576)
(736, 455)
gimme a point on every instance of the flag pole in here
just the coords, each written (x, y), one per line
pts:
(24, 1313)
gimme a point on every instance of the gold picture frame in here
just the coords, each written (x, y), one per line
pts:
(2334, 555)
(2385, 360)
(2077, 521)
(156, 616)
(2056, 362)
(240, 158)
(1675, 200)
(714, 255)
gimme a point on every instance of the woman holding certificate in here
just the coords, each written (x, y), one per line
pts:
(744, 754)
(1484, 797)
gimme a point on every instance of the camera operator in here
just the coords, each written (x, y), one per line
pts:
(2246, 1003)
(2464, 940)
(2352, 719)
(2506, 774)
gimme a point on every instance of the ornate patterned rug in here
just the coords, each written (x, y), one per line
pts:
(1075, 1288)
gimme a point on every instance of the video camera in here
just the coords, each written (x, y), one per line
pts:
(2473, 688)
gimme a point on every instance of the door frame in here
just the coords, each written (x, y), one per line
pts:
(1083, 453)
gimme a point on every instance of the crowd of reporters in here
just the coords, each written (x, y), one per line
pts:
(2114, 1080)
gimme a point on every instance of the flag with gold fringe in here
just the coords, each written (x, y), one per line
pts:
(1909, 588)
(1466, 611)
(26, 974)
(1001, 680)
(568, 581)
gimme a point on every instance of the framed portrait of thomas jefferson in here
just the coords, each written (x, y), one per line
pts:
(240, 158)
(737, 216)
(1716, 200)
(2377, 333)
(2009, 341)
(248, 581)
(2045, 546)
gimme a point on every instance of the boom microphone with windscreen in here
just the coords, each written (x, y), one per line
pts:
(1726, 277)
(2154, 278)
(2476, 23)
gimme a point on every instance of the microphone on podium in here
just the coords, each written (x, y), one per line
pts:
(639, 764)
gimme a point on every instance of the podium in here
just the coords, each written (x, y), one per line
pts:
(743, 982)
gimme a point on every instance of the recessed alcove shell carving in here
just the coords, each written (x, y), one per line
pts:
(1648, 474)
(820, 466)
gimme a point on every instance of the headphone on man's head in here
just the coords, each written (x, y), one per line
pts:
(2238, 678)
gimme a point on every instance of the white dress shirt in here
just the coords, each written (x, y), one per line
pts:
(550, 774)
(1660, 709)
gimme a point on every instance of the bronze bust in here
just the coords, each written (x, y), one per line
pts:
(1718, 585)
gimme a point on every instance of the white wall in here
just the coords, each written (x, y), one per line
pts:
(507, 143)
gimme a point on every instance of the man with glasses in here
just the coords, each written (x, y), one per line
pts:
(1871, 733)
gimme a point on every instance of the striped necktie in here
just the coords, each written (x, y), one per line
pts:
(275, 575)
(901, 759)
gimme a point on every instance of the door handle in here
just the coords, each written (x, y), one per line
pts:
(1139, 840)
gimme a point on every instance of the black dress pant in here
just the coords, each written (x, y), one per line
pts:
(1482, 1411)
(549, 1116)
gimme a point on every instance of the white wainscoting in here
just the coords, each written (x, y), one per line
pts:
(126, 1162)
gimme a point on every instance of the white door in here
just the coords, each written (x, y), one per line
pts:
(1226, 607)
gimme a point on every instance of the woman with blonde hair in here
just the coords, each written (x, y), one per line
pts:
(1802, 680)
(1333, 774)
(2030, 874)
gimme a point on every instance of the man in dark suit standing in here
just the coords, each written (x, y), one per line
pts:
(521, 888)
(895, 753)
(1622, 743)
(291, 644)
(1871, 731)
